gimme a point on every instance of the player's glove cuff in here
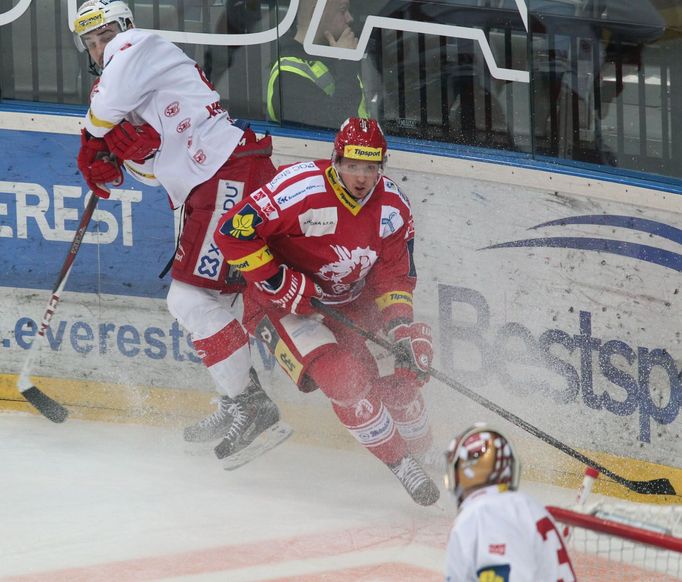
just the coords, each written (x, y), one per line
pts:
(97, 166)
(291, 291)
(133, 142)
(414, 349)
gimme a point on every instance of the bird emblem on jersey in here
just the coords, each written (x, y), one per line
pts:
(351, 267)
(243, 224)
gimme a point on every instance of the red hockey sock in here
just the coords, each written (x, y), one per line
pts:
(220, 346)
(346, 378)
(412, 422)
(370, 422)
(408, 409)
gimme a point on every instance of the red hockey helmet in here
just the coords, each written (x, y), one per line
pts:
(360, 139)
(479, 457)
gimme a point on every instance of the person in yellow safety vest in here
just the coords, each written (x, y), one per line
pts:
(317, 91)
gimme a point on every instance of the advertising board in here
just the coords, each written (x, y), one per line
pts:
(559, 306)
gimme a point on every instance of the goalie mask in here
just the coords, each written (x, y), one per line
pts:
(479, 457)
(95, 14)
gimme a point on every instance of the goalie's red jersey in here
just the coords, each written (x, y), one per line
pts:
(305, 218)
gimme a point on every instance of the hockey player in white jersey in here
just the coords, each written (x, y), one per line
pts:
(500, 534)
(153, 110)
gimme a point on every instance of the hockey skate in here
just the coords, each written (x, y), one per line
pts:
(431, 461)
(255, 428)
(416, 482)
(213, 426)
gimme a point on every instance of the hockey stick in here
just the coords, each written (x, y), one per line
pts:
(653, 487)
(42, 402)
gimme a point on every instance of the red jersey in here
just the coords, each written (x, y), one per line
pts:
(306, 219)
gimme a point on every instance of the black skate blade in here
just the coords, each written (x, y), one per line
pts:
(267, 440)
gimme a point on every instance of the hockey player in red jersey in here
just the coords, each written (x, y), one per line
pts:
(499, 534)
(342, 232)
(156, 112)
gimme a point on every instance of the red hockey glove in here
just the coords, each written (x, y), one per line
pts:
(293, 293)
(133, 142)
(415, 351)
(97, 166)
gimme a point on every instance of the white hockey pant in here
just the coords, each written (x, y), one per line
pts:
(217, 335)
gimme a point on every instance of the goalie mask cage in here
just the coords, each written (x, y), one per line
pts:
(623, 541)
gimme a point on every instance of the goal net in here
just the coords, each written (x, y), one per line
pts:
(623, 541)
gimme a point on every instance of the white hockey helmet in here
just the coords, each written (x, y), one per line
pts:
(94, 14)
(478, 457)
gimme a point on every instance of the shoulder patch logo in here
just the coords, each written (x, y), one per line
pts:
(243, 224)
(391, 221)
(499, 573)
(266, 206)
(391, 186)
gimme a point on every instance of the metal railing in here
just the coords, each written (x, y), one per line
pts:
(599, 91)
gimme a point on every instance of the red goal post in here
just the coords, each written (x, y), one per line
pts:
(623, 541)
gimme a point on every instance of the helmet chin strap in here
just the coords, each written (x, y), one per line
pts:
(93, 67)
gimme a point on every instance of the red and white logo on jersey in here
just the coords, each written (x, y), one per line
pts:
(258, 195)
(184, 125)
(270, 211)
(499, 549)
(268, 208)
(180, 253)
(199, 157)
(172, 109)
(351, 266)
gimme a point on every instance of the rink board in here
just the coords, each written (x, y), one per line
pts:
(554, 297)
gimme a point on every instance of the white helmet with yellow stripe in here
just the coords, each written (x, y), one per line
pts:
(94, 14)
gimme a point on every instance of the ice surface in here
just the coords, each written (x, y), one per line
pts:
(102, 502)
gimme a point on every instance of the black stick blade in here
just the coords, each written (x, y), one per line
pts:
(653, 487)
(45, 405)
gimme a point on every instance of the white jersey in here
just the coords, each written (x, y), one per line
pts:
(507, 537)
(148, 79)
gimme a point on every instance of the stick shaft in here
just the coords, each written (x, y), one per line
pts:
(45, 405)
(657, 486)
